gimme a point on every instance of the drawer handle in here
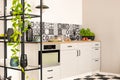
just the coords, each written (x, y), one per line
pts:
(96, 49)
(96, 44)
(50, 77)
(96, 60)
(69, 46)
(77, 52)
(49, 70)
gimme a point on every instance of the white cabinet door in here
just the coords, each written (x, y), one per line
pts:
(84, 58)
(68, 63)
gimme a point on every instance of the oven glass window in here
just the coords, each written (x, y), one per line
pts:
(50, 58)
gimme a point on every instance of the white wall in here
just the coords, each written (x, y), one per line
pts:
(60, 11)
(103, 17)
(63, 11)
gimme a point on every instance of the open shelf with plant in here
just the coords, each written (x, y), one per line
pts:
(20, 18)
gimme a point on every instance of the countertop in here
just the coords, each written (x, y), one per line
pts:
(61, 42)
(69, 42)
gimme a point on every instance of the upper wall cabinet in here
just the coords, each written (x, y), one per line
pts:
(63, 11)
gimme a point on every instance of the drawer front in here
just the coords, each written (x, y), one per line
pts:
(51, 73)
(69, 46)
(51, 77)
(96, 49)
(95, 64)
(96, 44)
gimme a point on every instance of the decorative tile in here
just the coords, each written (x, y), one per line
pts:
(56, 29)
(59, 31)
(51, 31)
(60, 25)
(67, 32)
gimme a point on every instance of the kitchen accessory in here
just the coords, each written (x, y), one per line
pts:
(23, 60)
(29, 34)
(36, 38)
(72, 37)
(9, 33)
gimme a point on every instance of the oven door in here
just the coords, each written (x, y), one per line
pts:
(50, 57)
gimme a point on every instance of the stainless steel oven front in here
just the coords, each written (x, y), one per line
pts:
(50, 54)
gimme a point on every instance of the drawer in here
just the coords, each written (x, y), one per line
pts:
(69, 46)
(51, 70)
(96, 55)
(51, 77)
(51, 73)
(96, 64)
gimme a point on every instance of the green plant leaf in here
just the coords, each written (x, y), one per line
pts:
(10, 44)
(28, 5)
(17, 49)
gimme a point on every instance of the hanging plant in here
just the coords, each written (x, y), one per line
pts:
(17, 25)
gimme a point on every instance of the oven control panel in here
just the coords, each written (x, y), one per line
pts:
(50, 47)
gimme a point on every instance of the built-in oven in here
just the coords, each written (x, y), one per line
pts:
(50, 54)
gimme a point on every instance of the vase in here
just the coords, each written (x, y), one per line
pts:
(29, 34)
(14, 62)
(23, 60)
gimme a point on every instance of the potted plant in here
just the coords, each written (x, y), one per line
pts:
(87, 34)
(18, 29)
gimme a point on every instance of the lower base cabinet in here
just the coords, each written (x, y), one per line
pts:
(79, 58)
(51, 73)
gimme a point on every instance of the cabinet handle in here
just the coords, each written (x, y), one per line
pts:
(96, 44)
(69, 46)
(79, 52)
(96, 49)
(96, 60)
(49, 70)
(50, 77)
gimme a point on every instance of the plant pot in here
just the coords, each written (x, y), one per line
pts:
(14, 62)
(92, 38)
(89, 37)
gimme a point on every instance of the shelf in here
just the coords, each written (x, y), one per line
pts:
(9, 17)
(2, 41)
(28, 68)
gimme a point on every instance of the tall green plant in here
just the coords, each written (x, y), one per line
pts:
(17, 24)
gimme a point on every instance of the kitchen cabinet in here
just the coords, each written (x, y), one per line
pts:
(78, 58)
(68, 60)
(84, 58)
(51, 73)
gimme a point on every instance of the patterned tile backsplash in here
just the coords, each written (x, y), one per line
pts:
(55, 29)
